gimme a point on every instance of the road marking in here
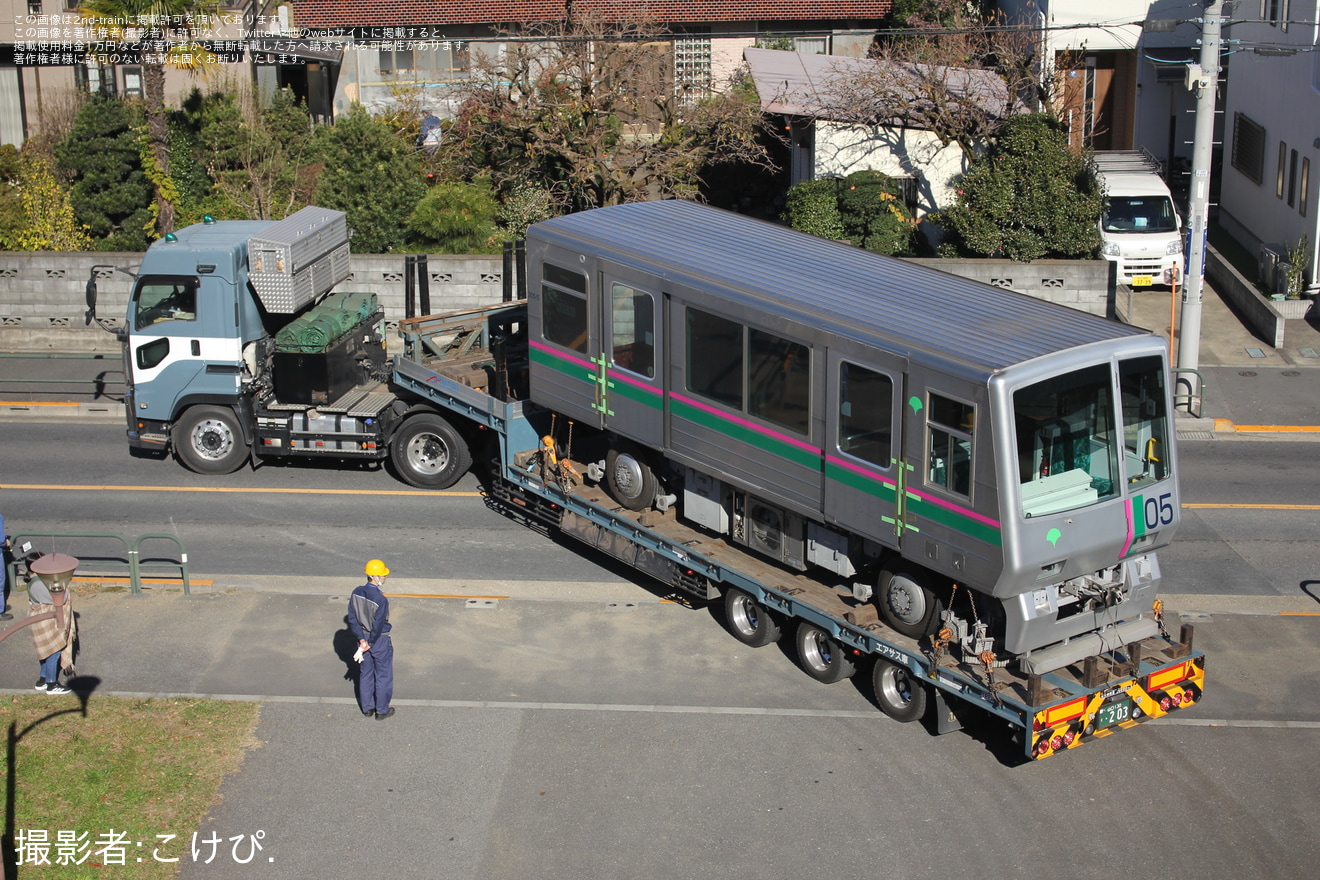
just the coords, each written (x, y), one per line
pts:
(1174, 720)
(236, 490)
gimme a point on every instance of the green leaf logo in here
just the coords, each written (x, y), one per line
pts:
(915, 403)
(1053, 536)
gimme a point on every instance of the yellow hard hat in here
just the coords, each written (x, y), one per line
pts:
(376, 568)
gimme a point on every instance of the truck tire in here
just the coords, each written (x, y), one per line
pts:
(821, 656)
(907, 605)
(898, 692)
(750, 622)
(429, 453)
(629, 478)
(208, 440)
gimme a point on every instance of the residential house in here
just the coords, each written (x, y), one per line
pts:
(813, 94)
(427, 44)
(1119, 87)
(48, 52)
(1272, 128)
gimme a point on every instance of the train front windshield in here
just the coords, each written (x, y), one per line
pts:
(1073, 451)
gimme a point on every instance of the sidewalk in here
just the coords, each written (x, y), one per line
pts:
(1250, 388)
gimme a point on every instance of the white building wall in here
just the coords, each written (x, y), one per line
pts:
(842, 149)
(1282, 94)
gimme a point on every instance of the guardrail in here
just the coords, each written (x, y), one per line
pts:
(132, 550)
(1194, 396)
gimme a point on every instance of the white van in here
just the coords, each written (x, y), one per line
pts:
(1139, 226)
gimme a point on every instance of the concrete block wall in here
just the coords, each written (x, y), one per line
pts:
(42, 295)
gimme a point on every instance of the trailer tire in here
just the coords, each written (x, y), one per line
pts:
(429, 453)
(209, 440)
(629, 478)
(750, 622)
(898, 693)
(906, 604)
(821, 655)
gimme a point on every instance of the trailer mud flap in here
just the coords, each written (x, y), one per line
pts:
(620, 547)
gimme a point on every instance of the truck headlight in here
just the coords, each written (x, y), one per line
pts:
(1175, 247)
(1110, 249)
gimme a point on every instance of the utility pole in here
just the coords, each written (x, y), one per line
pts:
(1205, 82)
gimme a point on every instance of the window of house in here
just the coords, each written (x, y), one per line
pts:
(564, 307)
(1292, 178)
(1304, 201)
(949, 430)
(866, 414)
(692, 67)
(395, 61)
(1248, 154)
(1283, 161)
(132, 82)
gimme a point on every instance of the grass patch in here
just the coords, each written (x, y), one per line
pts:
(143, 767)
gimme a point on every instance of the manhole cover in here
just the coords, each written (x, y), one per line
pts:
(1291, 373)
(1250, 374)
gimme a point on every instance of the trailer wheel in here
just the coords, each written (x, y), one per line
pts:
(750, 622)
(429, 453)
(821, 655)
(630, 479)
(898, 692)
(906, 605)
(208, 440)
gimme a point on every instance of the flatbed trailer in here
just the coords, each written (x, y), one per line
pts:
(472, 366)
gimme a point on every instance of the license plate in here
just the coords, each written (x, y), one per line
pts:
(1143, 280)
(1113, 713)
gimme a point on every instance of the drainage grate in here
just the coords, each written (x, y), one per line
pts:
(1256, 352)
(1196, 435)
(1308, 352)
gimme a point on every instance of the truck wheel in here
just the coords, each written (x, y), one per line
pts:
(821, 656)
(208, 440)
(629, 479)
(749, 620)
(429, 453)
(898, 692)
(906, 605)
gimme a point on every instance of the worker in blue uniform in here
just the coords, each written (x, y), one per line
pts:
(369, 620)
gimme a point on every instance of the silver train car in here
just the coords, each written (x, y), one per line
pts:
(984, 466)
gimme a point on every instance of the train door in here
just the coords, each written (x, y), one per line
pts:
(864, 471)
(631, 400)
(567, 368)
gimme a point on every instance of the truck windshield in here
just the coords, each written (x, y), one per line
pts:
(1067, 447)
(1139, 214)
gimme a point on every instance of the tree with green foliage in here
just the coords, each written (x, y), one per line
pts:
(812, 206)
(1029, 197)
(371, 175)
(12, 219)
(48, 221)
(256, 151)
(111, 195)
(865, 208)
(457, 218)
(168, 31)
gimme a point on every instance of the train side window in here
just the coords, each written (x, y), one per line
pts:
(779, 380)
(632, 330)
(866, 414)
(715, 358)
(950, 426)
(564, 307)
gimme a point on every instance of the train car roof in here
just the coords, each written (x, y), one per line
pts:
(897, 305)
